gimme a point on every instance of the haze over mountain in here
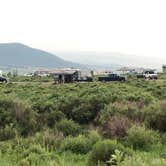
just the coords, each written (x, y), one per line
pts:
(113, 59)
(20, 55)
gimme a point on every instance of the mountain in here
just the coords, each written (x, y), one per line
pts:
(19, 55)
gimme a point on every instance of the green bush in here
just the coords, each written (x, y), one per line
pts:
(103, 150)
(68, 127)
(67, 104)
(5, 148)
(144, 98)
(47, 113)
(156, 116)
(131, 110)
(138, 137)
(78, 145)
(87, 110)
(93, 136)
(49, 138)
(143, 159)
(36, 155)
(53, 117)
(37, 149)
(163, 138)
(50, 118)
(6, 133)
(18, 114)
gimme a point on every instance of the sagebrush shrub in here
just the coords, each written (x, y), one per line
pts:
(103, 150)
(116, 127)
(19, 114)
(89, 107)
(79, 144)
(49, 138)
(36, 155)
(138, 137)
(156, 116)
(94, 136)
(8, 132)
(68, 127)
(130, 110)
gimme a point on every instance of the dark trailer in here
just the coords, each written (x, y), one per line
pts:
(111, 77)
(65, 76)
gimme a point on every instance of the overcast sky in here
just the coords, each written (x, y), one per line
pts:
(135, 27)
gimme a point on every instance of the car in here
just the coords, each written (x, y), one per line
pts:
(2, 79)
(111, 77)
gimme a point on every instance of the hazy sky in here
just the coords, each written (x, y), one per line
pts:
(125, 26)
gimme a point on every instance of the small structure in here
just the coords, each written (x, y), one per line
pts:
(126, 70)
(42, 73)
(65, 75)
(101, 72)
(164, 69)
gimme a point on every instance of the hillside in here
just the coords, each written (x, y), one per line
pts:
(16, 54)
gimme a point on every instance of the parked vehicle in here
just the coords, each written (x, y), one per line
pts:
(111, 77)
(150, 75)
(2, 79)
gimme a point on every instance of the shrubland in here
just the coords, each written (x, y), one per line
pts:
(82, 123)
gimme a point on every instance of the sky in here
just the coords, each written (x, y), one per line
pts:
(134, 27)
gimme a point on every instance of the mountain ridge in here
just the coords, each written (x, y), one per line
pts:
(18, 54)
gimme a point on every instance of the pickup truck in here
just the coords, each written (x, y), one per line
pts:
(148, 75)
(111, 77)
(2, 79)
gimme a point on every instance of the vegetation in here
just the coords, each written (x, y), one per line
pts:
(82, 123)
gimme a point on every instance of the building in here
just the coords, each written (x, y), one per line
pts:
(164, 69)
(134, 70)
(126, 70)
(101, 72)
(42, 73)
(65, 75)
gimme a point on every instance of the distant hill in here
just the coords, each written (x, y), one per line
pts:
(19, 55)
